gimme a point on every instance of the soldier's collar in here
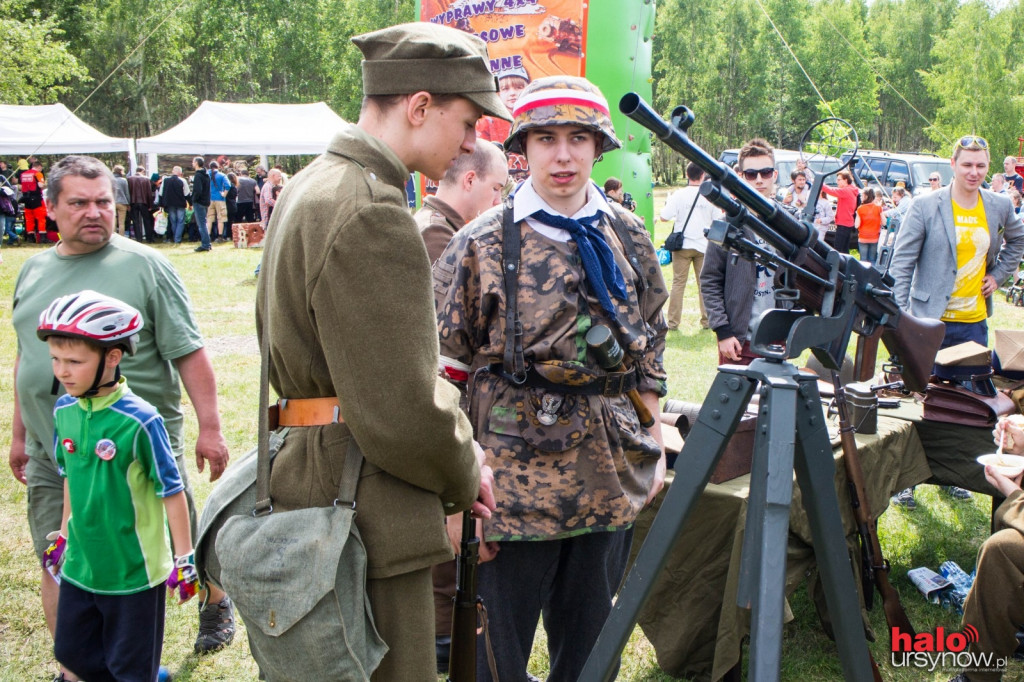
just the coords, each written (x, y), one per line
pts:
(526, 201)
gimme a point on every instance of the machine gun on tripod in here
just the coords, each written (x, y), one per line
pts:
(826, 297)
(847, 295)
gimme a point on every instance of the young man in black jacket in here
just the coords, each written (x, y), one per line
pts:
(173, 199)
(201, 201)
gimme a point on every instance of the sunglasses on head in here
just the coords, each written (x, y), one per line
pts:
(751, 174)
(971, 142)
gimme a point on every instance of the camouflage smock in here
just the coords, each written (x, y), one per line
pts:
(592, 469)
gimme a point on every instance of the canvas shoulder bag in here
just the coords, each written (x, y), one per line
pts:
(298, 578)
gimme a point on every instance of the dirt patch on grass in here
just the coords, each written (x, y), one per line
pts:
(221, 345)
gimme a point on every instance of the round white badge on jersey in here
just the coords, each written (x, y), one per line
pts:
(106, 449)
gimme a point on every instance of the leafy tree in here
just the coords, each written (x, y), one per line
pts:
(901, 33)
(39, 69)
(837, 62)
(976, 91)
(701, 59)
(782, 101)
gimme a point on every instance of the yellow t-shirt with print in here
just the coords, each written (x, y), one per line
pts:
(972, 241)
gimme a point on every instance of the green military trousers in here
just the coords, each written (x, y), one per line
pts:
(403, 610)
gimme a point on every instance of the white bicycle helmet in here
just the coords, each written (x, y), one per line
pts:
(92, 316)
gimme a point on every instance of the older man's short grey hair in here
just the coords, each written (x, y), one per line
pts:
(82, 166)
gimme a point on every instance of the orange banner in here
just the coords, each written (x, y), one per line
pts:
(526, 39)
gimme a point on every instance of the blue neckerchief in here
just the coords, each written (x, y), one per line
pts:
(598, 261)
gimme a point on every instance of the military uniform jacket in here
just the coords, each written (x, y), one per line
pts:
(592, 469)
(346, 283)
(438, 223)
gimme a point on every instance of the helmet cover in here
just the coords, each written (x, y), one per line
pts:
(559, 101)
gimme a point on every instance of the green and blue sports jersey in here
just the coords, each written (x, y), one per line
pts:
(116, 456)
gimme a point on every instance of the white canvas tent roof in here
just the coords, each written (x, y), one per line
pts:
(51, 129)
(236, 128)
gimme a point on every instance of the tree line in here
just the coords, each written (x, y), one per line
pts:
(910, 75)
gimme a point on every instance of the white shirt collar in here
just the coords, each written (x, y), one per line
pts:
(527, 202)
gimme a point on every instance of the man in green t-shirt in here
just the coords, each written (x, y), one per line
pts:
(90, 256)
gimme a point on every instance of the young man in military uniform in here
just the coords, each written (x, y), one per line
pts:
(572, 464)
(352, 329)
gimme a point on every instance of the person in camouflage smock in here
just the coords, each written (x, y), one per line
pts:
(572, 464)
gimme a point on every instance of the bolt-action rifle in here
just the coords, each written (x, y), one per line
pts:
(462, 661)
(874, 566)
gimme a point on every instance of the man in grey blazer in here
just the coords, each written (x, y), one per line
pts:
(956, 246)
(925, 261)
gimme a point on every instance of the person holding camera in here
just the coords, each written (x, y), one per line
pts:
(613, 189)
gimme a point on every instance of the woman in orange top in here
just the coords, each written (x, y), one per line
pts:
(869, 225)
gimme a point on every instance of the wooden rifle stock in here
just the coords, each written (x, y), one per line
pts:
(915, 341)
(462, 661)
(875, 568)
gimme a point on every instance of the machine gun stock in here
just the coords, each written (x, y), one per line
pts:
(909, 333)
(854, 296)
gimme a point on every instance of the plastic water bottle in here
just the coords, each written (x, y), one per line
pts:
(962, 583)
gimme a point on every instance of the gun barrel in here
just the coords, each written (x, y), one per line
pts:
(795, 232)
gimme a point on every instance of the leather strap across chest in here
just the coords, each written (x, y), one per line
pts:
(513, 360)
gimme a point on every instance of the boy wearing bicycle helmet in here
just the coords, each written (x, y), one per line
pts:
(121, 490)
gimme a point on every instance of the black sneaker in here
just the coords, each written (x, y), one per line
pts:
(957, 493)
(200, 249)
(216, 626)
(905, 499)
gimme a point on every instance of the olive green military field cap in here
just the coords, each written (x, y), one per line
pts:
(408, 58)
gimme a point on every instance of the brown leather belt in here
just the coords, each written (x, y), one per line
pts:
(304, 412)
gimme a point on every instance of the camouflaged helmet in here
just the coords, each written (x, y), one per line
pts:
(561, 100)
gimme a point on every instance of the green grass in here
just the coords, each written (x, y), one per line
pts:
(222, 287)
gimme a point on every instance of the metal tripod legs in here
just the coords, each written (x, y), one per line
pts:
(791, 434)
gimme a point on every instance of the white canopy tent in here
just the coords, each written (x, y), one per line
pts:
(237, 128)
(52, 129)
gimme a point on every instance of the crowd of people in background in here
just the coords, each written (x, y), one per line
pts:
(150, 207)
